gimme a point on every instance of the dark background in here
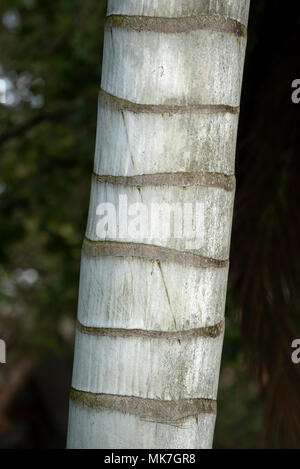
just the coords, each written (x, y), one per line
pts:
(50, 56)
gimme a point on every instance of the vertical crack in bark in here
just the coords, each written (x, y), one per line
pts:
(167, 293)
(112, 39)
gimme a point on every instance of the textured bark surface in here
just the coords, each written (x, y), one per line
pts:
(177, 69)
(199, 142)
(110, 284)
(235, 9)
(111, 430)
(151, 310)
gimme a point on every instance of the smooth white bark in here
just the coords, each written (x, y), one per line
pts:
(148, 368)
(201, 67)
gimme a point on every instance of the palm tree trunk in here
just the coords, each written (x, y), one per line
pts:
(151, 306)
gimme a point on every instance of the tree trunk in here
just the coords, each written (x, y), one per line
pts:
(151, 301)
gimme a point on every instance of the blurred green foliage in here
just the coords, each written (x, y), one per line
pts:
(50, 60)
(240, 406)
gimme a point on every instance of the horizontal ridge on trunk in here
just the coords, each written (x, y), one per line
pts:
(125, 105)
(150, 409)
(180, 179)
(207, 332)
(187, 24)
(149, 252)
